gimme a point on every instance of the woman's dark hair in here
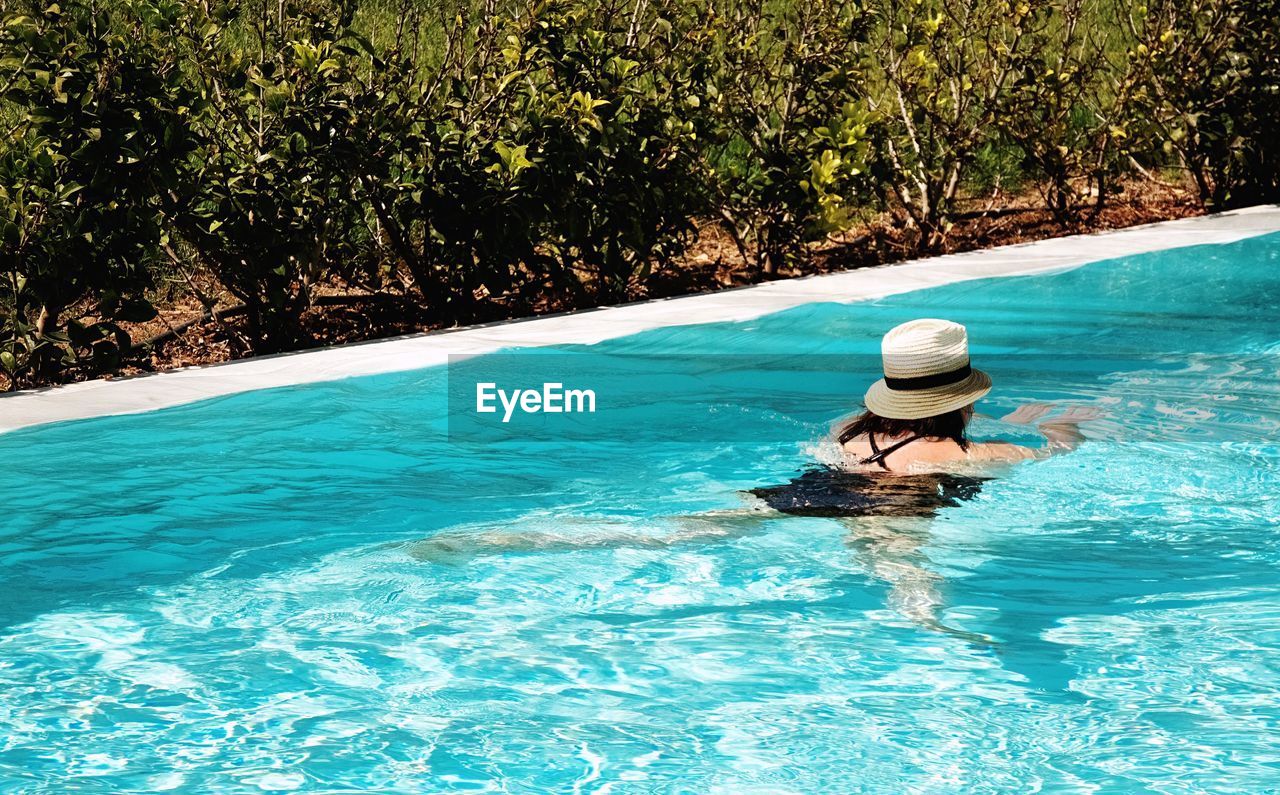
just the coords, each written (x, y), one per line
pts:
(944, 426)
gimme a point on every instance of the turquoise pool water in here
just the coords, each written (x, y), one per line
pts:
(321, 589)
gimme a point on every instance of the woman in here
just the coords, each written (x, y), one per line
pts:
(918, 412)
(908, 453)
(904, 456)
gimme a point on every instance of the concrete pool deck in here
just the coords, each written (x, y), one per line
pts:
(160, 390)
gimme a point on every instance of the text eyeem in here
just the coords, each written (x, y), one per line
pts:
(552, 398)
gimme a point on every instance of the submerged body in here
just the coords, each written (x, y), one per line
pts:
(837, 493)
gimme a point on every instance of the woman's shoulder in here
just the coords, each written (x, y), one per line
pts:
(1000, 451)
(918, 450)
(934, 451)
(937, 453)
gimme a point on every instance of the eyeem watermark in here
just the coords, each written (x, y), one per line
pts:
(553, 398)
(535, 395)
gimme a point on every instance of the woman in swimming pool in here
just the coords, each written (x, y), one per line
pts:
(903, 455)
(917, 414)
(908, 453)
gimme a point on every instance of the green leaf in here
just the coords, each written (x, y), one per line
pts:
(136, 311)
(360, 40)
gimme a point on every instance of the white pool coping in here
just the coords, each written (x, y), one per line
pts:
(160, 390)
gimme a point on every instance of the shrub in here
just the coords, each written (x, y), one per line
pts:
(939, 70)
(101, 134)
(268, 203)
(794, 129)
(612, 115)
(556, 144)
(1210, 71)
(447, 205)
(1065, 109)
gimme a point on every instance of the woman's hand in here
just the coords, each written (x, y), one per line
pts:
(1074, 415)
(1063, 432)
(1025, 415)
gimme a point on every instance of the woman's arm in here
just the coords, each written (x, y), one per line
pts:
(1062, 434)
(1002, 451)
(1063, 431)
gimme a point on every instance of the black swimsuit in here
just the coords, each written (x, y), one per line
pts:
(833, 492)
(878, 456)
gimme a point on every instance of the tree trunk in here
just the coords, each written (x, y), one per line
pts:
(44, 363)
(48, 320)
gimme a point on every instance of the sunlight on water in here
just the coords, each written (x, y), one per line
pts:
(318, 589)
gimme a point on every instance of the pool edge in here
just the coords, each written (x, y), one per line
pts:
(152, 391)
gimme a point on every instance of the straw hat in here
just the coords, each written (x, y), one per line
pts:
(926, 372)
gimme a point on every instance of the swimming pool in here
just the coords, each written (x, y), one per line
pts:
(232, 595)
